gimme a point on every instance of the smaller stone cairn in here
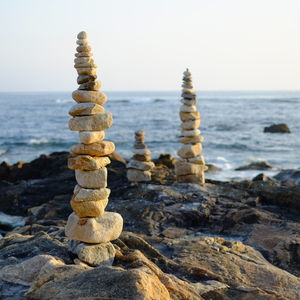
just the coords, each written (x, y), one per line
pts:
(90, 227)
(140, 165)
(190, 166)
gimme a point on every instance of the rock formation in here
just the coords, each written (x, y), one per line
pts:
(89, 223)
(191, 165)
(139, 167)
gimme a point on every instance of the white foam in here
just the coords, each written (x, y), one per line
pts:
(2, 151)
(38, 141)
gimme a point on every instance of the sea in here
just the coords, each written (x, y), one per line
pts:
(232, 123)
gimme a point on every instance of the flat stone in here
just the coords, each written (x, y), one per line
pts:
(83, 54)
(82, 60)
(90, 86)
(96, 255)
(96, 149)
(82, 35)
(86, 109)
(97, 122)
(141, 151)
(191, 140)
(190, 125)
(187, 108)
(85, 65)
(197, 160)
(189, 116)
(189, 102)
(140, 165)
(89, 208)
(82, 42)
(90, 137)
(195, 178)
(82, 194)
(190, 133)
(87, 71)
(139, 145)
(187, 168)
(84, 48)
(187, 85)
(81, 96)
(190, 151)
(92, 179)
(188, 96)
(138, 175)
(188, 91)
(86, 78)
(140, 157)
(103, 229)
(87, 162)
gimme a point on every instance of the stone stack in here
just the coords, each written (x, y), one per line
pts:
(191, 165)
(89, 223)
(139, 167)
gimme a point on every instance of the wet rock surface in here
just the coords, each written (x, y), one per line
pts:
(222, 240)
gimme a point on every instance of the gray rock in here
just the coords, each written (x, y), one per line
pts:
(257, 165)
(277, 128)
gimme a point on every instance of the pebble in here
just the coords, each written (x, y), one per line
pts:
(87, 71)
(90, 137)
(89, 208)
(86, 78)
(81, 96)
(97, 122)
(187, 168)
(84, 48)
(140, 165)
(192, 178)
(83, 54)
(96, 149)
(92, 179)
(188, 91)
(83, 60)
(187, 108)
(103, 229)
(189, 102)
(82, 35)
(85, 65)
(190, 125)
(82, 42)
(190, 150)
(197, 160)
(82, 194)
(90, 86)
(190, 133)
(87, 162)
(191, 140)
(185, 116)
(86, 109)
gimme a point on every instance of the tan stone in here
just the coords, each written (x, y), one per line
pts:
(141, 157)
(90, 137)
(82, 42)
(82, 60)
(83, 54)
(187, 108)
(190, 151)
(190, 133)
(90, 86)
(189, 91)
(92, 179)
(197, 160)
(138, 175)
(103, 229)
(86, 109)
(97, 122)
(84, 48)
(89, 208)
(189, 116)
(140, 165)
(96, 149)
(89, 96)
(90, 64)
(141, 151)
(82, 194)
(189, 102)
(187, 168)
(87, 162)
(190, 125)
(87, 71)
(191, 140)
(86, 78)
(82, 35)
(195, 178)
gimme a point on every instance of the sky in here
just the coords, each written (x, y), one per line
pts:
(147, 44)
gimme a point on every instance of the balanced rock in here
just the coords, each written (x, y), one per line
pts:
(86, 109)
(82, 194)
(89, 208)
(87, 162)
(82, 96)
(190, 150)
(97, 122)
(96, 149)
(140, 165)
(136, 175)
(92, 179)
(90, 137)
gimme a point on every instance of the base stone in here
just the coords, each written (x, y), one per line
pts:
(103, 229)
(94, 254)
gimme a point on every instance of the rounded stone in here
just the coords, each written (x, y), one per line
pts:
(188, 91)
(96, 149)
(90, 86)
(85, 65)
(189, 116)
(103, 229)
(86, 109)
(81, 96)
(87, 71)
(87, 162)
(82, 42)
(98, 122)
(82, 60)
(84, 48)
(92, 179)
(192, 178)
(189, 102)
(190, 125)
(135, 175)
(89, 208)
(191, 140)
(190, 133)
(140, 165)
(199, 160)
(83, 54)
(190, 151)
(187, 108)
(86, 78)
(187, 168)
(90, 137)
(140, 157)
(82, 35)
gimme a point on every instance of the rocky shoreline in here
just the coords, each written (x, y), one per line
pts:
(223, 240)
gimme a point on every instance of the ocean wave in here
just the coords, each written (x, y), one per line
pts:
(38, 141)
(222, 127)
(138, 101)
(2, 151)
(234, 146)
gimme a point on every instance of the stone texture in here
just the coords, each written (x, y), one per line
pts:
(96, 255)
(90, 137)
(140, 165)
(90, 86)
(81, 96)
(187, 108)
(87, 162)
(84, 48)
(192, 178)
(191, 140)
(96, 149)
(85, 78)
(83, 54)
(141, 151)
(137, 175)
(190, 151)
(86, 109)
(184, 116)
(188, 168)
(189, 102)
(82, 35)
(86, 71)
(197, 160)
(82, 194)
(89, 208)
(103, 229)
(190, 133)
(92, 179)
(190, 125)
(141, 157)
(97, 122)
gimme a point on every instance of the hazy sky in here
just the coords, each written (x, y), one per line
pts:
(147, 44)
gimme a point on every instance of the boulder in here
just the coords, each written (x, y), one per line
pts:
(277, 128)
(257, 165)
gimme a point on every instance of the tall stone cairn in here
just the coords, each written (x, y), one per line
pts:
(140, 165)
(89, 223)
(190, 166)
